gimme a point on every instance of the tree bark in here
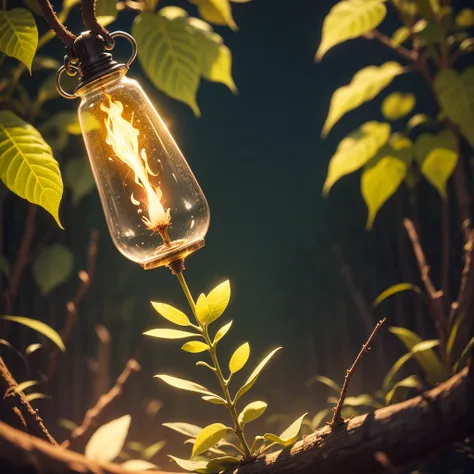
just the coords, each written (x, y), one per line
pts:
(403, 432)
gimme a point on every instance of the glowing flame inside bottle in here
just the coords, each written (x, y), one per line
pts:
(122, 136)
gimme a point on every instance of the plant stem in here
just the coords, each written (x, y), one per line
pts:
(219, 374)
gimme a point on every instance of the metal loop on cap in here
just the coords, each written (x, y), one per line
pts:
(131, 40)
(60, 90)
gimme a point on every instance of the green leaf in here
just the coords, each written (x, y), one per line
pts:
(106, 11)
(68, 121)
(251, 412)
(383, 175)
(395, 369)
(222, 463)
(167, 53)
(409, 382)
(349, 19)
(189, 465)
(153, 449)
(465, 18)
(217, 300)
(254, 375)
(78, 177)
(467, 350)
(47, 89)
(454, 91)
(437, 156)
(202, 309)
(217, 12)
(32, 348)
(52, 267)
(424, 354)
(187, 429)
(137, 465)
(35, 396)
(40, 327)
(27, 166)
(21, 387)
(208, 437)
(453, 333)
(394, 289)
(222, 332)
(364, 86)
(171, 314)
(183, 384)
(164, 333)
(356, 150)
(318, 419)
(107, 442)
(215, 400)
(18, 35)
(400, 35)
(195, 347)
(239, 358)
(325, 381)
(397, 105)
(289, 436)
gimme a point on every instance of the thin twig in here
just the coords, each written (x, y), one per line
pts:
(336, 417)
(445, 238)
(386, 41)
(28, 417)
(85, 280)
(92, 415)
(434, 295)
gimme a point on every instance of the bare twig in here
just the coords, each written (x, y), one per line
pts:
(91, 417)
(434, 295)
(336, 417)
(29, 418)
(386, 41)
(85, 280)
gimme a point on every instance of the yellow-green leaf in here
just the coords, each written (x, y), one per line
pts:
(364, 86)
(52, 267)
(222, 463)
(18, 35)
(349, 19)
(252, 411)
(190, 465)
(137, 465)
(397, 105)
(426, 357)
(325, 381)
(183, 384)
(208, 437)
(216, 11)
(195, 347)
(356, 150)
(400, 35)
(40, 327)
(454, 91)
(254, 375)
(35, 396)
(409, 382)
(465, 18)
(21, 387)
(167, 53)
(466, 351)
(289, 436)
(186, 429)
(239, 358)
(106, 11)
(171, 314)
(215, 400)
(437, 156)
(202, 309)
(217, 300)
(222, 332)
(27, 165)
(164, 333)
(394, 289)
(79, 179)
(383, 175)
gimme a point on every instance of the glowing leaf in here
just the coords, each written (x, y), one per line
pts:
(164, 333)
(465, 18)
(137, 465)
(190, 465)
(397, 105)
(187, 429)
(349, 19)
(214, 400)
(195, 347)
(171, 314)
(239, 358)
(289, 436)
(217, 300)
(222, 332)
(394, 289)
(21, 387)
(183, 384)
(202, 309)
(252, 411)
(324, 380)
(208, 437)
(216, 11)
(400, 35)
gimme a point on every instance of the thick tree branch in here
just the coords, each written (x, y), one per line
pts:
(403, 432)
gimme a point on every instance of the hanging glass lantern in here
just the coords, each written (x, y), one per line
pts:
(155, 209)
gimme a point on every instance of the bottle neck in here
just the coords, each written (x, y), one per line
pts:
(101, 83)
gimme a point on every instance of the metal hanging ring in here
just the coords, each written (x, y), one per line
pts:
(131, 40)
(60, 90)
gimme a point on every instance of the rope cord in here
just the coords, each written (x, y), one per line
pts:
(90, 21)
(61, 31)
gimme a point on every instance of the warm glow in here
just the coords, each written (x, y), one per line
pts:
(122, 136)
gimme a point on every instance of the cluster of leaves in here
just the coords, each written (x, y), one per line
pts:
(217, 447)
(390, 153)
(175, 51)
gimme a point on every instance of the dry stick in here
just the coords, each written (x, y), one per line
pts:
(336, 417)
(434, 295)
(28, 417)
(91, 416)
(85, 280)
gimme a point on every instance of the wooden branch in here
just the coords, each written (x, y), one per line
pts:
(336, 416)
(434, 296)
(29, 418)
(402, 433)
(85, 280)
(92, 416)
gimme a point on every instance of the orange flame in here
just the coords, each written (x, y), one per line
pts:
(122, 136)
